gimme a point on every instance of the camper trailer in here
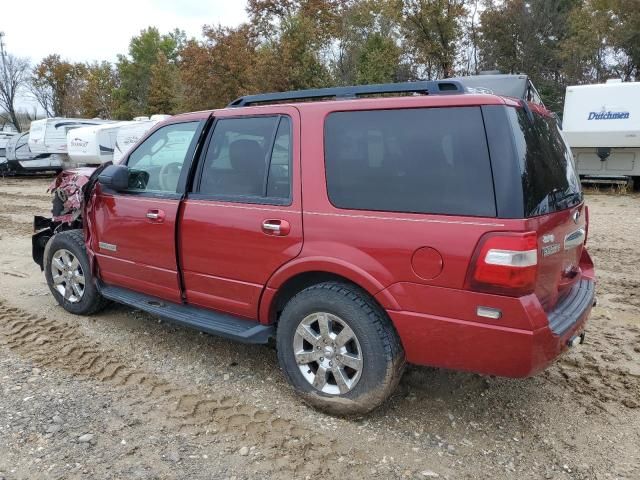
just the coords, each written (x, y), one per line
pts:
(508, 85)
(20, 158)
(49, 135)
(94, 144)
(602, 126)
(128, 135)
(5, 137)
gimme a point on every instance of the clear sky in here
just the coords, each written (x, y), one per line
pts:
(88, 30)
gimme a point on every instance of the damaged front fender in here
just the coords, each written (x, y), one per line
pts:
(70, 190)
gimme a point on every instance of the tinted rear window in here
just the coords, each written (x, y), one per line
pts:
(549, 179)
(428, 160)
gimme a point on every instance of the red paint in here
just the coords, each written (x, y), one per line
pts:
(233, 258)
(427, 263)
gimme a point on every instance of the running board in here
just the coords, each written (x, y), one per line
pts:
(220, 324)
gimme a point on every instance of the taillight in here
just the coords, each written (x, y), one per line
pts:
(505, 263)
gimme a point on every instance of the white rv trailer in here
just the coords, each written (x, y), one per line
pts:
(5, 137)
(20, 159)
(602, 126)
(128, 135)
(49, 135)
(94, 144)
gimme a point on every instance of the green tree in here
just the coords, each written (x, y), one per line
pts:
(163, 87)
(135, 69)
(519, 36)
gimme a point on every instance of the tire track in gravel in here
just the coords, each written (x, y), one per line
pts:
(288, 448)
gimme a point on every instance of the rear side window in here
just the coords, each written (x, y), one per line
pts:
(428, 160)
(549, 179)
(249, 157)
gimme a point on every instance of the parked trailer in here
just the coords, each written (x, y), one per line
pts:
(128, 135)
(602, 126)
(49, 135)
(21, 159)
(95, 144)
(5, 137)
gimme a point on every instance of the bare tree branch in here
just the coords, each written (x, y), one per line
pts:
(14, 75)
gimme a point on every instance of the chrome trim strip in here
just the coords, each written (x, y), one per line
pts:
(419, 220)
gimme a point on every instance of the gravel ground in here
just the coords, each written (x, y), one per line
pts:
(124, 395)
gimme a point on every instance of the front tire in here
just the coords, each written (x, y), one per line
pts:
(68, 274)
(338, 349)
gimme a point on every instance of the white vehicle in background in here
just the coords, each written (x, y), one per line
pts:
(95, 144)
(602, 126)
(49, 135)
(128, 135)
(5, 137)
(20, 159)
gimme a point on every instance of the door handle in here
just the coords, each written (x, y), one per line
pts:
(278, 228)
(156, 216)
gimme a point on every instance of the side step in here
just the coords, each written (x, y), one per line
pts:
(220, 324)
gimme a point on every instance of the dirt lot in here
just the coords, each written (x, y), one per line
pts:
(123, 395)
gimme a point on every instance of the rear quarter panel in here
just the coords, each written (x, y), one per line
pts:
(378, 247)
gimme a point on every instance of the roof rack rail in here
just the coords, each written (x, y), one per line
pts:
(429, 87)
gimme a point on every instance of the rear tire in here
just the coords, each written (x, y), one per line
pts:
(340, 378)
(68, 274)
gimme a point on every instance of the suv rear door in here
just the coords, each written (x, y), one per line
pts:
(552, 201)
(242, 219)
(134, 231)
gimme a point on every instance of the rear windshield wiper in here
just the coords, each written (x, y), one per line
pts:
(568, 199)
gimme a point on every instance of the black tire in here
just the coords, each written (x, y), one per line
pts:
(73, 241)
(382, 353)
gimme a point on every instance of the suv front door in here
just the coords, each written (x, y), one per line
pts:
(134, 237)
(243, 218)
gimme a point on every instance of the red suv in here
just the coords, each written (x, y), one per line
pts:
(361, 227)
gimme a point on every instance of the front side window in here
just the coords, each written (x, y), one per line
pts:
(156, 165)
(423, 160)
(248, 158)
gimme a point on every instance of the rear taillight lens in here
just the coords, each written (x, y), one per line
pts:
(505, 263)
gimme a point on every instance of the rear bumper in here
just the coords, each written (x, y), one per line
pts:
(494, 349)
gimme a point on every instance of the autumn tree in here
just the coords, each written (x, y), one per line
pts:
(369, 44)
(14, 76)
(220, 68)
(433, 29)
(97, 97)
(57, 85)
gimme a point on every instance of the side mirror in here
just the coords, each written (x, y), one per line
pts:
(115, 177)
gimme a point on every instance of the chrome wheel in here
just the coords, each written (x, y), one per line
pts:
(328, 353)
(67, 275)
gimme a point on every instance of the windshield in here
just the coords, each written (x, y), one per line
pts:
(549, 178)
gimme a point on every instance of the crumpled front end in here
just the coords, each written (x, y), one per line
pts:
(69, 189)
